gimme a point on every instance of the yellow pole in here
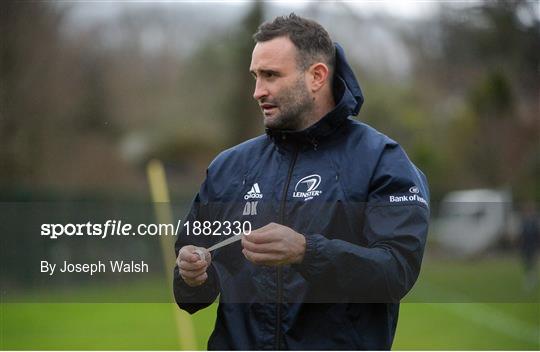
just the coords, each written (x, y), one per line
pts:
(160, 197)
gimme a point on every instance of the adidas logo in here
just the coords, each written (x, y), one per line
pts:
(254, 192)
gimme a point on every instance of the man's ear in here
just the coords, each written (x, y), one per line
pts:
(318, 74)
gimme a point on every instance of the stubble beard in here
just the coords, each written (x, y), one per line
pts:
(295, 105)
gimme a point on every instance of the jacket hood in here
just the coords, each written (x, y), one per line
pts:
(347, 95)
(352, 97)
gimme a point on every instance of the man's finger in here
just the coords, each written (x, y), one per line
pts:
(262, 236)
(262, 258)
(266, 227)
(191, 274)
(188, 254)
(201, 278)
(269, 247)
(185, 265)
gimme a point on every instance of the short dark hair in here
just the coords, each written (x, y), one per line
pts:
(309, 37)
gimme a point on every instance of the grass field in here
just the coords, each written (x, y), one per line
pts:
(148, 326)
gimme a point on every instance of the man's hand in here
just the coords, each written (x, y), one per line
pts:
(274, 244)
(191, 266)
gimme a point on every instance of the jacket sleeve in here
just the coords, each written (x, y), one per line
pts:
(394, 228)
(192, 299)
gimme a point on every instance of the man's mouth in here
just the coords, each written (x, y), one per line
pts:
(267, 108)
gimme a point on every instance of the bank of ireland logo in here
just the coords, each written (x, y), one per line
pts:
(414, 190)
(307, 187)
(415, 196)
(250, 208)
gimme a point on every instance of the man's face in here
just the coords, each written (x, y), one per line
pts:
(280, 87)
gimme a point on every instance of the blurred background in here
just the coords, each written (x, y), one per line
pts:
(92, 91)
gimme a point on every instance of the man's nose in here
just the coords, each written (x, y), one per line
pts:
(260, 90)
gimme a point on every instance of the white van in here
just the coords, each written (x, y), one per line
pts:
(472, 221)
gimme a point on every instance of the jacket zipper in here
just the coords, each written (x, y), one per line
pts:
(279, 270)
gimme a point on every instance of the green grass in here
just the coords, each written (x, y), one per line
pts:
(496, 279)
(147, 326)
(87, 326)
(90, 326)
(468, 326)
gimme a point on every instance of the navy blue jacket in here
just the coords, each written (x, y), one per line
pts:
(361, 205)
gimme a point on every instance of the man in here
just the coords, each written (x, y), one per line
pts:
(529, 243)
(339, 211)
